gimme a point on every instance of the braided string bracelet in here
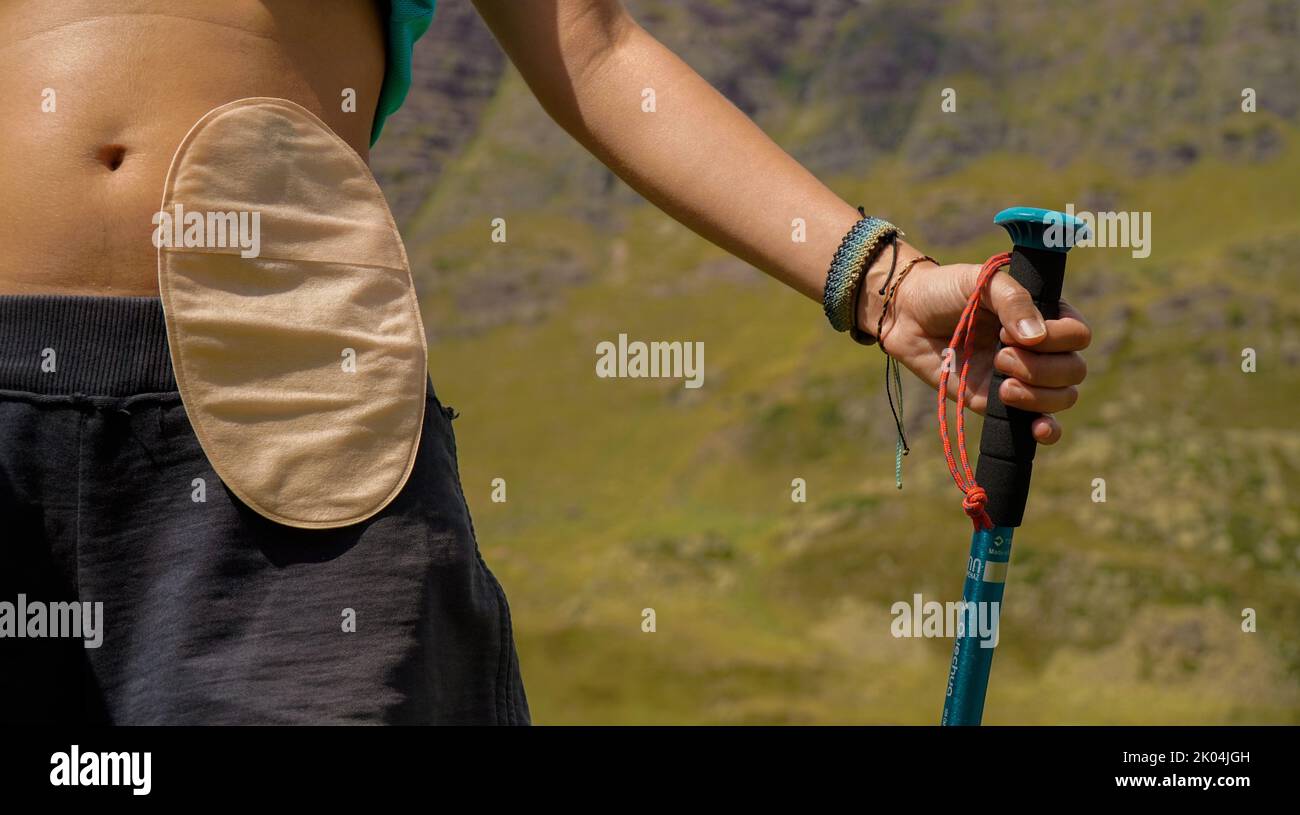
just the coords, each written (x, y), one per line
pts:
(893, 378)
(859, 336)
(859, 247)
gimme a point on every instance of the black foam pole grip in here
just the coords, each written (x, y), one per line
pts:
(1007, 443)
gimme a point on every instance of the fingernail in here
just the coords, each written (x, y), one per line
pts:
(1029, 329)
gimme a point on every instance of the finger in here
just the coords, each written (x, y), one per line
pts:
(1046, 429)
(1069, 333)
(1041, 400)
(1020, 318)
(1062, 335)
(1044, 370)
(1069, 312)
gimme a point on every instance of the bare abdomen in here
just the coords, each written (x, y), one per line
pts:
(98, 95)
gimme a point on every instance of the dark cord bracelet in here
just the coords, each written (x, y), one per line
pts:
(859, 336)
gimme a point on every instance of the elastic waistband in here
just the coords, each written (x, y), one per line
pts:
(92, 346)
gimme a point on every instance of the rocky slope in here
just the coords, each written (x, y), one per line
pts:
(634, 494)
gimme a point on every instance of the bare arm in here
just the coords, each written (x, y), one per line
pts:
(696, 157)
(701, 160)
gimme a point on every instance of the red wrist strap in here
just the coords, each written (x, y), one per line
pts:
(964, 336)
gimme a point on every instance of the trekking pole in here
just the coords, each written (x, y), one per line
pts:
(997, 494)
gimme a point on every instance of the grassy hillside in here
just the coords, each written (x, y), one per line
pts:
(632, 494)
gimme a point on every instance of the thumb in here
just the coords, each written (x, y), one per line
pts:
(1016, 310)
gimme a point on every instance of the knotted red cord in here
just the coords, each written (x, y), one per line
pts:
(975, 497)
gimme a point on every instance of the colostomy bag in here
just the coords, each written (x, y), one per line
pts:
(302, 369)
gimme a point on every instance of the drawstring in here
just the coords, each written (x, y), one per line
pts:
(130, 428)
(110, 406)
(975, 499)
(82, 399)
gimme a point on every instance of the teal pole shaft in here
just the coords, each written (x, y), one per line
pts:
(978, 624)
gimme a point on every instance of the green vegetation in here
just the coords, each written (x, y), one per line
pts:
(632, 494)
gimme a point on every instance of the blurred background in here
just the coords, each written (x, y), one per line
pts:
(637, 493)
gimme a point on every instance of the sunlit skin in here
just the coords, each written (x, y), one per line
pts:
(130, 78)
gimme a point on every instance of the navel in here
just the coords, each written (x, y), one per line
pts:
(111, 156)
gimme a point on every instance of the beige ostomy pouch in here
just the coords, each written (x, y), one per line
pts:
(292, 320)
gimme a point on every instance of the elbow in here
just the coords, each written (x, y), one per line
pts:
(591, 36)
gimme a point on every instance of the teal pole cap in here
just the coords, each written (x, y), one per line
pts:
(1045, 229)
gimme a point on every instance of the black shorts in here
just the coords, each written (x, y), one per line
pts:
(209, 612)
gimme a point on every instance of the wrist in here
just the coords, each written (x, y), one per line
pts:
(871, 302)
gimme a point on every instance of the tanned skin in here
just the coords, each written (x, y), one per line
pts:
(129, 78)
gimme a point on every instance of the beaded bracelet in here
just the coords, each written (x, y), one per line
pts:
(857, 250)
